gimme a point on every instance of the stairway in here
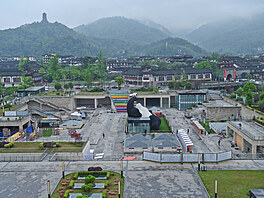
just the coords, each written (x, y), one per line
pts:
(120, 102)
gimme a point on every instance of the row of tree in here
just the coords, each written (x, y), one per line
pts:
(248, 91)
(53, 72)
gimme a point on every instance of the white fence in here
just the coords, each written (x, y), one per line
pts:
(188, 157)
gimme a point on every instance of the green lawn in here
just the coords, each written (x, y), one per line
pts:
(111, 187)
(90, 93)
(207, 127)
(56, 93)
(14, 107)
(231, 183)
(47, 132)
(33, 147)
(163, 126)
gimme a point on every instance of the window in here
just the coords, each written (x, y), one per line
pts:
(161, 78)
(160, 147)
(207, 75)
(169, 78)
(16, 79)
(7, 80)
(200, 76)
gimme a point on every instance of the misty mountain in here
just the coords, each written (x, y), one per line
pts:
(234, 36)
(123, 29)
(153, 24)
(172, 46)
(42, 37)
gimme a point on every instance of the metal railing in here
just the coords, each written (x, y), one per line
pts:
(248, 156)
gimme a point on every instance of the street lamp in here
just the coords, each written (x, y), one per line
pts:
(63, 168)
(121, 168)
(48, 188)
(119, 189)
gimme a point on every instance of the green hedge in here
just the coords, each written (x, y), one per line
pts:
(104, 194)
(108, 175)
(259, 121)
(76, 175)
(66, 194)
(92, 173)
(71, 184)
(106, 183)
(9, 145)
(260, 112)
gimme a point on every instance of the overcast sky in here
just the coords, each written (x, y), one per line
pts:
(176, 15)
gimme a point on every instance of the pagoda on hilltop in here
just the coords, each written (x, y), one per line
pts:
(44, 18)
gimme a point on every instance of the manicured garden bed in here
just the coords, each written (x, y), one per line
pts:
(164, 126)
(34, 147)
(207, 127)
(233, 183)
(47, 132)
(110, 190)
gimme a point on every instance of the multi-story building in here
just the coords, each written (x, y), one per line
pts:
(150, 77)
(10, 77)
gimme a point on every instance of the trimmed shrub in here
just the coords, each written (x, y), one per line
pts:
(58, 144)
(9, 145)
(239, 99)
(66, 194)
(71, 184)
(87, 188)
(106, 184)
(108, 175)
(76, 175)
(41, 145)
(233, 96)
(104, 194)
(6, 146)
(89, 179)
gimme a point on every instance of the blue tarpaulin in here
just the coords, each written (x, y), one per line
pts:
(29, 130)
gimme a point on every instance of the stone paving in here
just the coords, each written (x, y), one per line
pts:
(143, 179)
(202, 143)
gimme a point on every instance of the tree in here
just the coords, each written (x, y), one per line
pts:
(261, 105)
(119, 80)
(177, 64)
(8, 105)
(57, 86)
(249, 77)
(70, 85)
(171, 85)
(22, 63)
(203, 64)
(54, 70)
(249, 87)
(183, 75)
(188, 85)
(239, 91)
(87, 76)
(261, 96)
(249, 98)
(66, 86)
(28, 81)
